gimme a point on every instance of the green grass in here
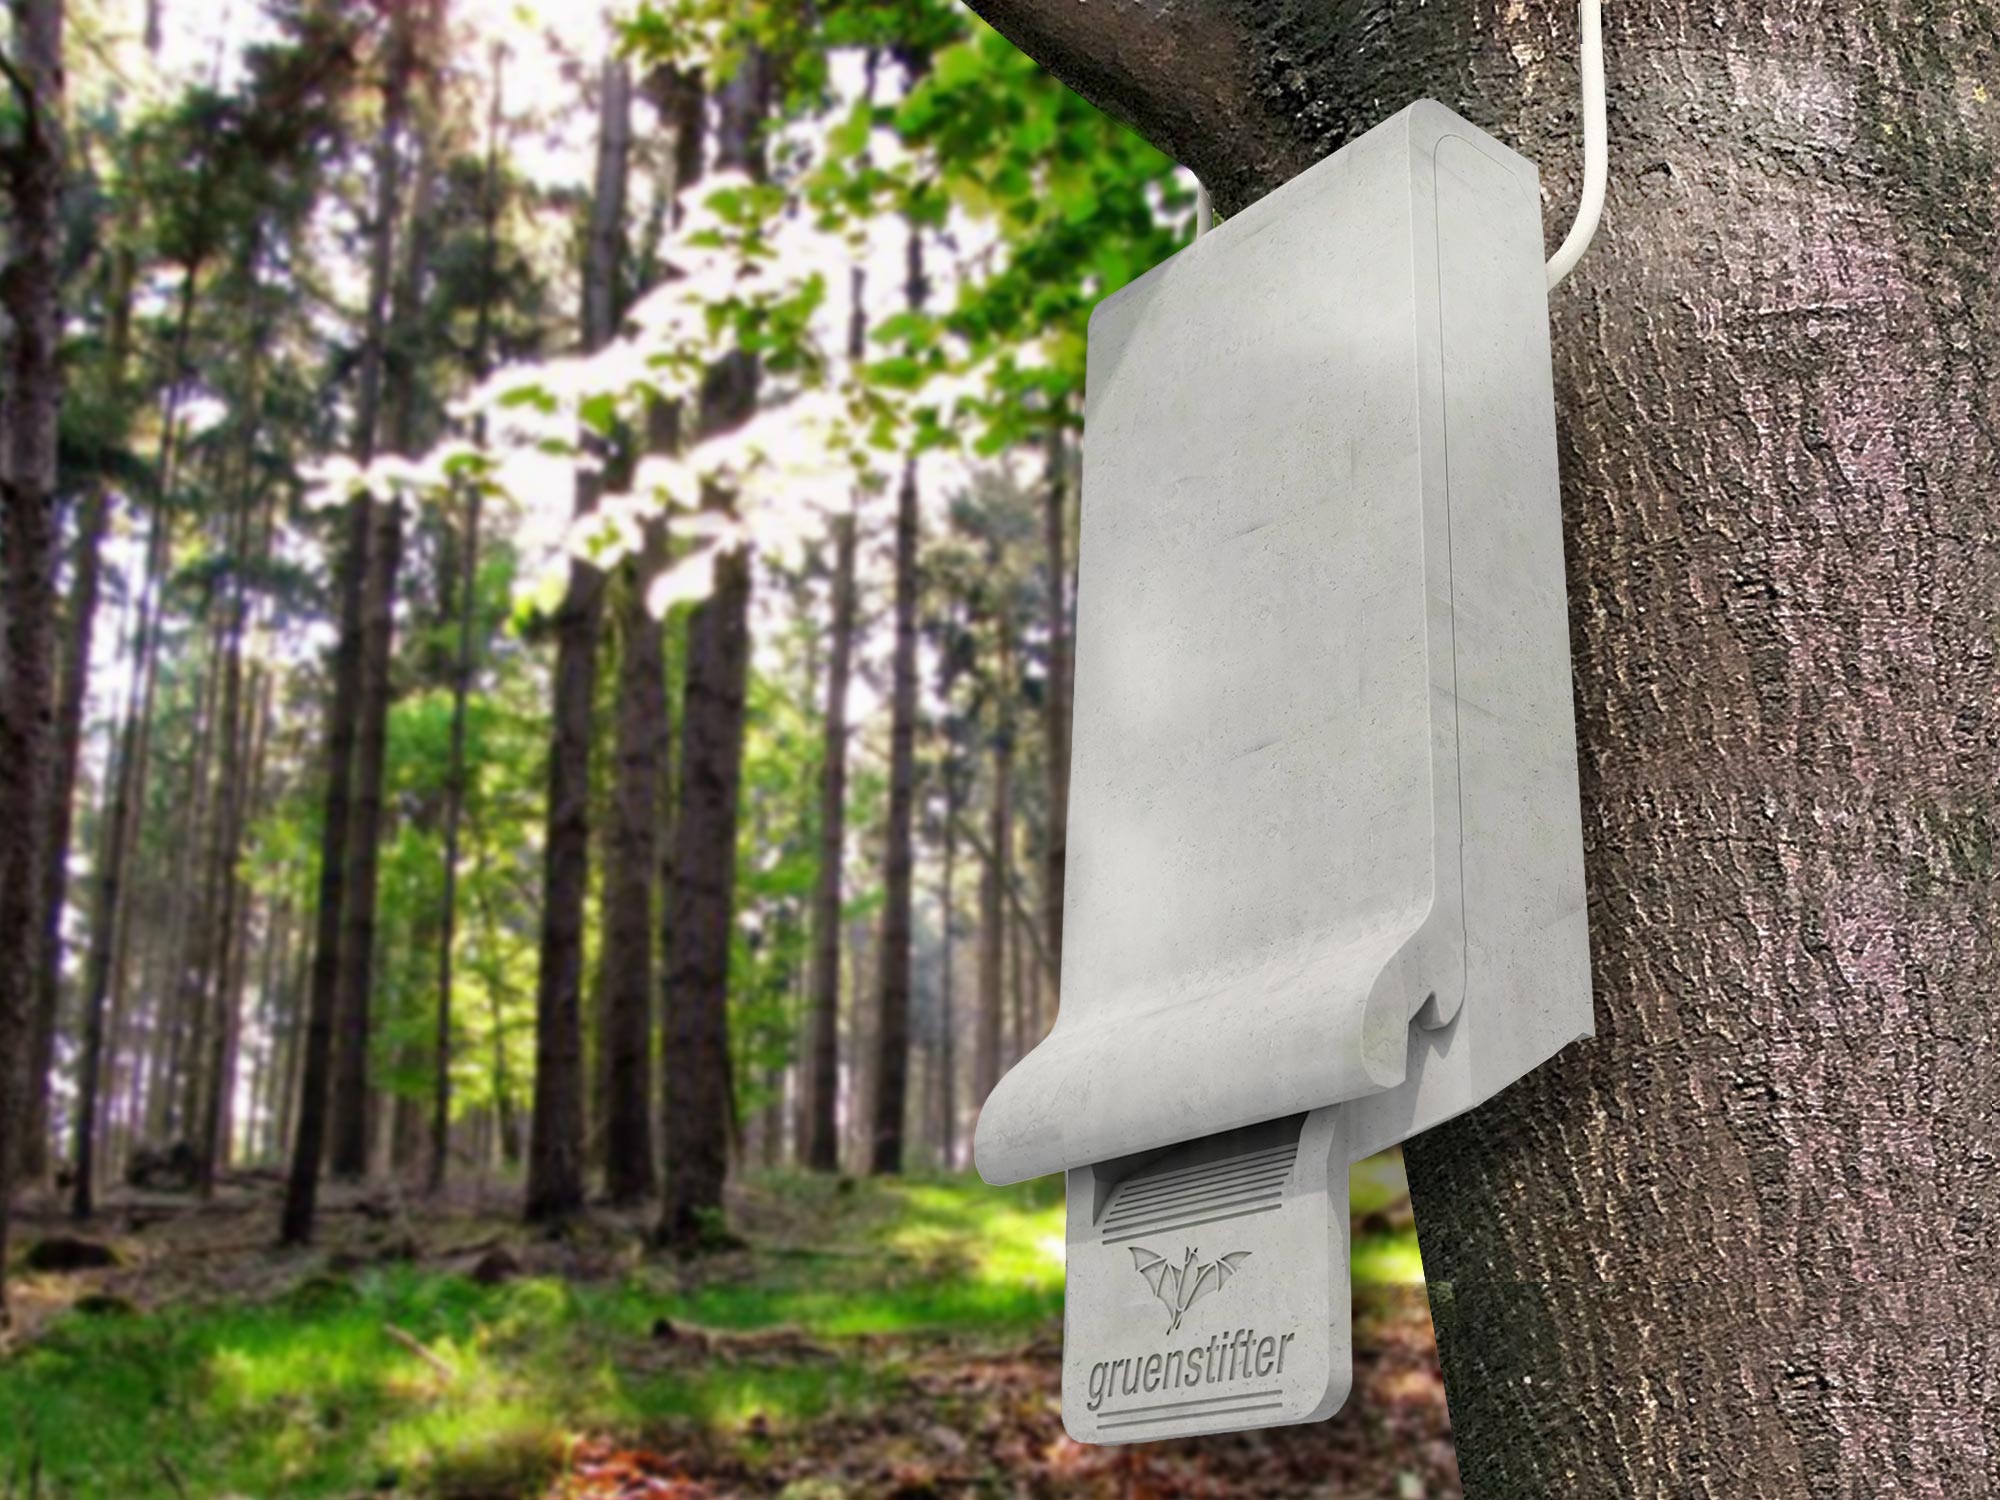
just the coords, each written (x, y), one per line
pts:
(310, 1394)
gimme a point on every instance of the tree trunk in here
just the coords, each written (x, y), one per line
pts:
(819, 1134)
(190, 893)
(556, 1140)
(81, 620)
(819, 1144)
(892, 1040)
(1742, 1241)
(344, 711)
(462, 668)
(116, 835)
(1056, 710)
(892, 1037)
(629, 881)
(700, 1109)
(241, 754)
(947, 1021)
(29, 294)
(697, 1057)
(993, 917)
(395, 339)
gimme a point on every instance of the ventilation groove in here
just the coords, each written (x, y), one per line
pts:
(1206, 1193)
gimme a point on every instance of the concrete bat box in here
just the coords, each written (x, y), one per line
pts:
(1325, 883)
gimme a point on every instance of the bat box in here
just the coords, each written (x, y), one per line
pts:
(1325, 881)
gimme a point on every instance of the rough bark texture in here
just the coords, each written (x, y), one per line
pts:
(819, 1149)
(700, 1097)
(1744, 1242)
(556, 1142)
(29, 293)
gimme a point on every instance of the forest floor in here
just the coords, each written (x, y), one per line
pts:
(870, 1339)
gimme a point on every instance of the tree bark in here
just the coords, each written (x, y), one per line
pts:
(117, 829)
(993, 914)
(1743, 1240)
(463, 665)
(629, 881)
(556, 1139)
(75, 690)
(1056, 710)
(892, 1036)
(947, 1020)
(700, 1107)
(392, 337)
(241, 752)
(819, 1145)
(344, 710)
(30, 292)
(819, 1134)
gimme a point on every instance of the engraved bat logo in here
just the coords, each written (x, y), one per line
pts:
(1179, 1287)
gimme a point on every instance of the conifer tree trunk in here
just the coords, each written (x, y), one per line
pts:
(948, 1021)
(29, 294)
(344, 709)
(81, 620)
(993, 880)
(241, 752)
(1743, 1240)
(462, 669)
(1056, 708)
(415, 34)
(556, 1140)
(819, 1130)
(700, 1108)
(819, 1146)
(892, 1039)
(117, 833)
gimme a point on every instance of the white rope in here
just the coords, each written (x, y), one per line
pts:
(1596, 150)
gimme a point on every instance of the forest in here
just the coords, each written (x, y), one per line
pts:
(539, 564)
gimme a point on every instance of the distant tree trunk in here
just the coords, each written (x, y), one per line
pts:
(220, 1122)
(462, 669)
(241, 753)
(396, 336)
(700, 1111)
(29, 294)
(993, 915)
(121, 277)
(1743, 1240)
(454, 807)
(1056, 713)
(892, 1038)
(344, 710)
(697, 1057)
(116, 835)
(947, 1021)
(629, 881)
(188, 896)
(819, 1145)
(81, 620)
(556, 1141)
